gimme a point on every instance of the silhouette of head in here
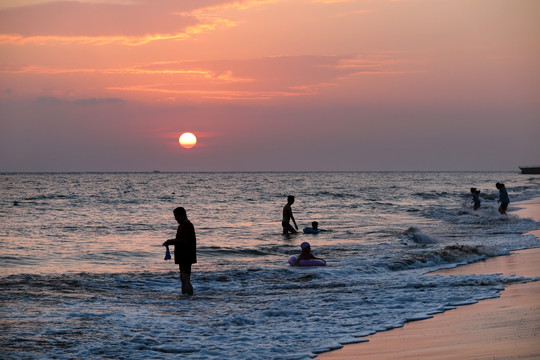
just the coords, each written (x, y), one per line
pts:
(179, 213)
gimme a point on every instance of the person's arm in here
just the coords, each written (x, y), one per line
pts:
(169, 242)
(298, 258)
(182, 235)
(316, 258)
(294, 221)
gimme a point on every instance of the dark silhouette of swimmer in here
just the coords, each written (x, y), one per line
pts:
(185, 248)
(314, 229)
(476, 198)
(288, 216)
(306, 253)
(503, 198)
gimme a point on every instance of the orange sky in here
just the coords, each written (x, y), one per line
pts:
(269, 84)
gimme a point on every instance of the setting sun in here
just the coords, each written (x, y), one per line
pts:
(187, 140)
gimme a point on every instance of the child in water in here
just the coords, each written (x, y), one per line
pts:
(503, 198)
(314, 229)
(306, 253)
(476, 198)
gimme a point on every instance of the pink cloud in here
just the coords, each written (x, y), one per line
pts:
(257, 79)
(79, 19)
(253, 79)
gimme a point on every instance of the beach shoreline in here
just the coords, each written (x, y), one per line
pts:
(506, 327)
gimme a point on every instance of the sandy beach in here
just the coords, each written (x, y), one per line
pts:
(507, 327)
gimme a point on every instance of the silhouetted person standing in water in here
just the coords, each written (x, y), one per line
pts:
(185, 248)
(288, 216)
(476, 198)
(503, 198)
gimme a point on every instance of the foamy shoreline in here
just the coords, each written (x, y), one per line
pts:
(503, 327)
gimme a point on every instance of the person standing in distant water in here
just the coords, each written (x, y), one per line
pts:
(476, 198)
(288, 216)
(503, 198)
(185, 248)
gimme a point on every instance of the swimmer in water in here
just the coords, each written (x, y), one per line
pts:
(306, 253)
(314, 229)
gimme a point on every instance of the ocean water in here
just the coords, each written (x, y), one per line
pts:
(82, 270)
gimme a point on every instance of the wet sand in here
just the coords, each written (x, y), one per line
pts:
(507, 327)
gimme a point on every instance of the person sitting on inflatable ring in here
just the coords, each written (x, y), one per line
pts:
(306, 253)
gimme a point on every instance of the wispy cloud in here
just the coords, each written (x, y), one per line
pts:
(51, 100)
(133, 23)
(210, 94)
(260, 79)
(190, 31)
(331, 1)
(268, 78)
(234, 5)
(144, 70)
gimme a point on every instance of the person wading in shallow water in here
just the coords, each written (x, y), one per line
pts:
(185, 248)
(476, 198)
(288, 216)
(503, 198)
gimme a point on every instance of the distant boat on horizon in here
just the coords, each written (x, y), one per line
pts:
(530, 169)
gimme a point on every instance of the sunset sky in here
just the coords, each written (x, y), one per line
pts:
(109, 85)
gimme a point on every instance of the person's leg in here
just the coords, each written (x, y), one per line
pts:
(182, 279)
(292, 230)
(285, 226)
(188, 287)
(185, 277)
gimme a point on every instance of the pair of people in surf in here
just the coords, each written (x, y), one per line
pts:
(504, 200)
(288, 216)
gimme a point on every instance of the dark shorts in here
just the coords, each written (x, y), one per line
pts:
(185, 268)
(503, 206)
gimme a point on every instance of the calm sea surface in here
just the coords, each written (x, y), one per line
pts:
(82, 273)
